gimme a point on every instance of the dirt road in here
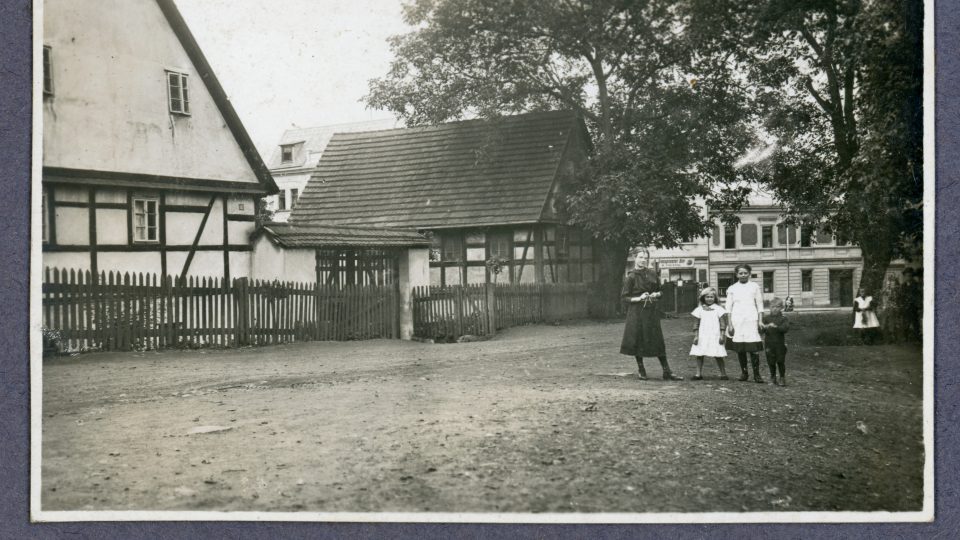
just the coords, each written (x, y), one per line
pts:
(539, 419)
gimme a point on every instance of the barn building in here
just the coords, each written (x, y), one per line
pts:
(146, 165)
(483, 189)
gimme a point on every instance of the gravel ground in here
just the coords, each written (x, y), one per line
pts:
(538, 419)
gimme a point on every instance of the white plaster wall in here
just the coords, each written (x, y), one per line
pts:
(238, 232)
(240, 262)
(213, 230)
(73, 226)
(190, 199)
(266, 260)
(182, 227)
(69, 261)
(110, 110)
(71, 194)
(299, 265)
(145, 262)
(111, 226)
(204, 264)
(241, 205)
(111, 196)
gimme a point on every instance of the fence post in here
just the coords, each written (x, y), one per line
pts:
(490, 307)
(243, 316)
(458, 298)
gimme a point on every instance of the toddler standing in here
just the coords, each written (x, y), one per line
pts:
(775, 325)
(709, 332)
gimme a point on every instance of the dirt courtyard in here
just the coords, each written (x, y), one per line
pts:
(538, 419)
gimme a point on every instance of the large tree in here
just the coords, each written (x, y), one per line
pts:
(664, 111)
(838, 83)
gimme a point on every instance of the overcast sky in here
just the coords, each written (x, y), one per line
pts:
(295, 62)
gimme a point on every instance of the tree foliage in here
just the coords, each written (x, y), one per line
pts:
(665, 129)
(838, 83)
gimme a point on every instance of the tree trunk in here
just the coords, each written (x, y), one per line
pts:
(613, 261)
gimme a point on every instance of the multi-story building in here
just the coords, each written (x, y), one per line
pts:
(814, 268)
(294, 160)
(146, 166)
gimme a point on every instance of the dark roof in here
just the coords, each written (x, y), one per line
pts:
(460, 174)
(182, 31)
(309, 236)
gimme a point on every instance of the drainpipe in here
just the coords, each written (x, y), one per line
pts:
(786, 234)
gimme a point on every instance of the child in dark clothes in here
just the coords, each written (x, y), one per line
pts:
(775, 325)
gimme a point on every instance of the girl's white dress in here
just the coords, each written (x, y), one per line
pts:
(865, 319)
(745, 304)
(708, 335)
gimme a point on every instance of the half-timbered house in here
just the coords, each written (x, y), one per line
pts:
(146, 165)
(484, 189)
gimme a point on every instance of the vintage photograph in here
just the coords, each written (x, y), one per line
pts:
(481, 260)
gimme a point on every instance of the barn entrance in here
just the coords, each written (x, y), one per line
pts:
(357, 266)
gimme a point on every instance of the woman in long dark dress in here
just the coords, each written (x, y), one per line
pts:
(642, 336)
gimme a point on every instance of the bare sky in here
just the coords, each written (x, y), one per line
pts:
(295, 62)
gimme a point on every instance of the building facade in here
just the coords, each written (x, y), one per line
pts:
(484, 190)
(295, 158)
(146, 166)
(813, 268)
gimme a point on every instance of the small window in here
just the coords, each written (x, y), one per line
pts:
(748, 234)
(282, 200)
(47, 71)
(766, 236)
(178, 93)
(145, 220)
(730, 237)
(768, 282)
(806, 280)
(294, 195)
(724, 281)
(286, 153)
(500, 246)
(806, 235)
(783, 231)
(452, 248)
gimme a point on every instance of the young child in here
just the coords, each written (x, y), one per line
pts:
(864, 317)
(775, 325)
(709, 332)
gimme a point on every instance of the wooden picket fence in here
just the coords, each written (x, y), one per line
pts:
(454, 311)
(114, 311)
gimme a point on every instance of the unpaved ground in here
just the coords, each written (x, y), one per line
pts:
(539, 419)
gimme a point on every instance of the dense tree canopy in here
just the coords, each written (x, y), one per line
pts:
(675, 91)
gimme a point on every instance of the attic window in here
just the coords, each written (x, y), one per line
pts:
(179, 98)
(286, 153)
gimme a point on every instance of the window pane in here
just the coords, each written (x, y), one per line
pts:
(729, 237)
(748, 234)
(768, 282)
(767, 236)
(805, 235)
(724, 281)
(806, 280)
(452, 248)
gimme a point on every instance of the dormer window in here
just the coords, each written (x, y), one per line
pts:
(286, 153)
(178, 96)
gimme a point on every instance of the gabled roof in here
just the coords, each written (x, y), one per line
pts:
(459, 174)
(312, 236)
(182, 31)
(315, 139)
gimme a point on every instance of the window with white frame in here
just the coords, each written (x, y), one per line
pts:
(179, 97)
(286, 153)
(145, 220)
(47, 71)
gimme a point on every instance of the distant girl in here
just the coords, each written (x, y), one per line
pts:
(708, 333)
(864, 316)
(744, 305)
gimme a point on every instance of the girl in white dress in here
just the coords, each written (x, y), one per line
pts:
(744, 306)
(708, 339)
(865, 317)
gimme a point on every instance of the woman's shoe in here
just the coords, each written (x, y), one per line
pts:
(757, 378)
(642, 376)
(744, 375)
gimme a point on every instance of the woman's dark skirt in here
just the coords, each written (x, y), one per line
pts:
(642, 335)
(744, 346)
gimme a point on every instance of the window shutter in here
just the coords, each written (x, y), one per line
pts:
(716, 235)
(748, 234)
(824, 238)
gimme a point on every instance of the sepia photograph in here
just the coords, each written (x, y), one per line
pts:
(523, 261)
